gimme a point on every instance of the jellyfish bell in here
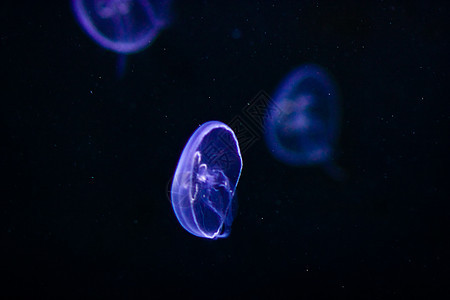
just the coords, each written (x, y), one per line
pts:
(302, 122)
(203, 188)
(122, 26)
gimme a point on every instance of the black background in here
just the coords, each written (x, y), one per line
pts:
(87, 157)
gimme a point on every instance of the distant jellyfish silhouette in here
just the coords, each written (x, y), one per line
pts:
(302, 122)
(122, 26)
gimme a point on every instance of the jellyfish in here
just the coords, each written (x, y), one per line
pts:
(122, 26)
(302, 121)
(204, 185)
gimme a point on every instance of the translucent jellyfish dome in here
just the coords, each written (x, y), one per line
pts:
(302, 122)
(123, 26)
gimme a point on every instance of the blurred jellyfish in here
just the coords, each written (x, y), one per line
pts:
(302, 122)
(122, 26)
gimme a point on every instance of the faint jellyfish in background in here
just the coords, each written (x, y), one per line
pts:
(122, 26)
(203, 188)
(236, 34)
(302, 122)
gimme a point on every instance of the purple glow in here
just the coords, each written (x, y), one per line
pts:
(123, 26)
(302, 122)
(204, 184)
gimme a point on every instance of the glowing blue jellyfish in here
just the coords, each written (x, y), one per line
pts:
(302, 122)
(205, 180)
(122, 26)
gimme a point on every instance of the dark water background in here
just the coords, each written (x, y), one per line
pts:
(86, 158)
